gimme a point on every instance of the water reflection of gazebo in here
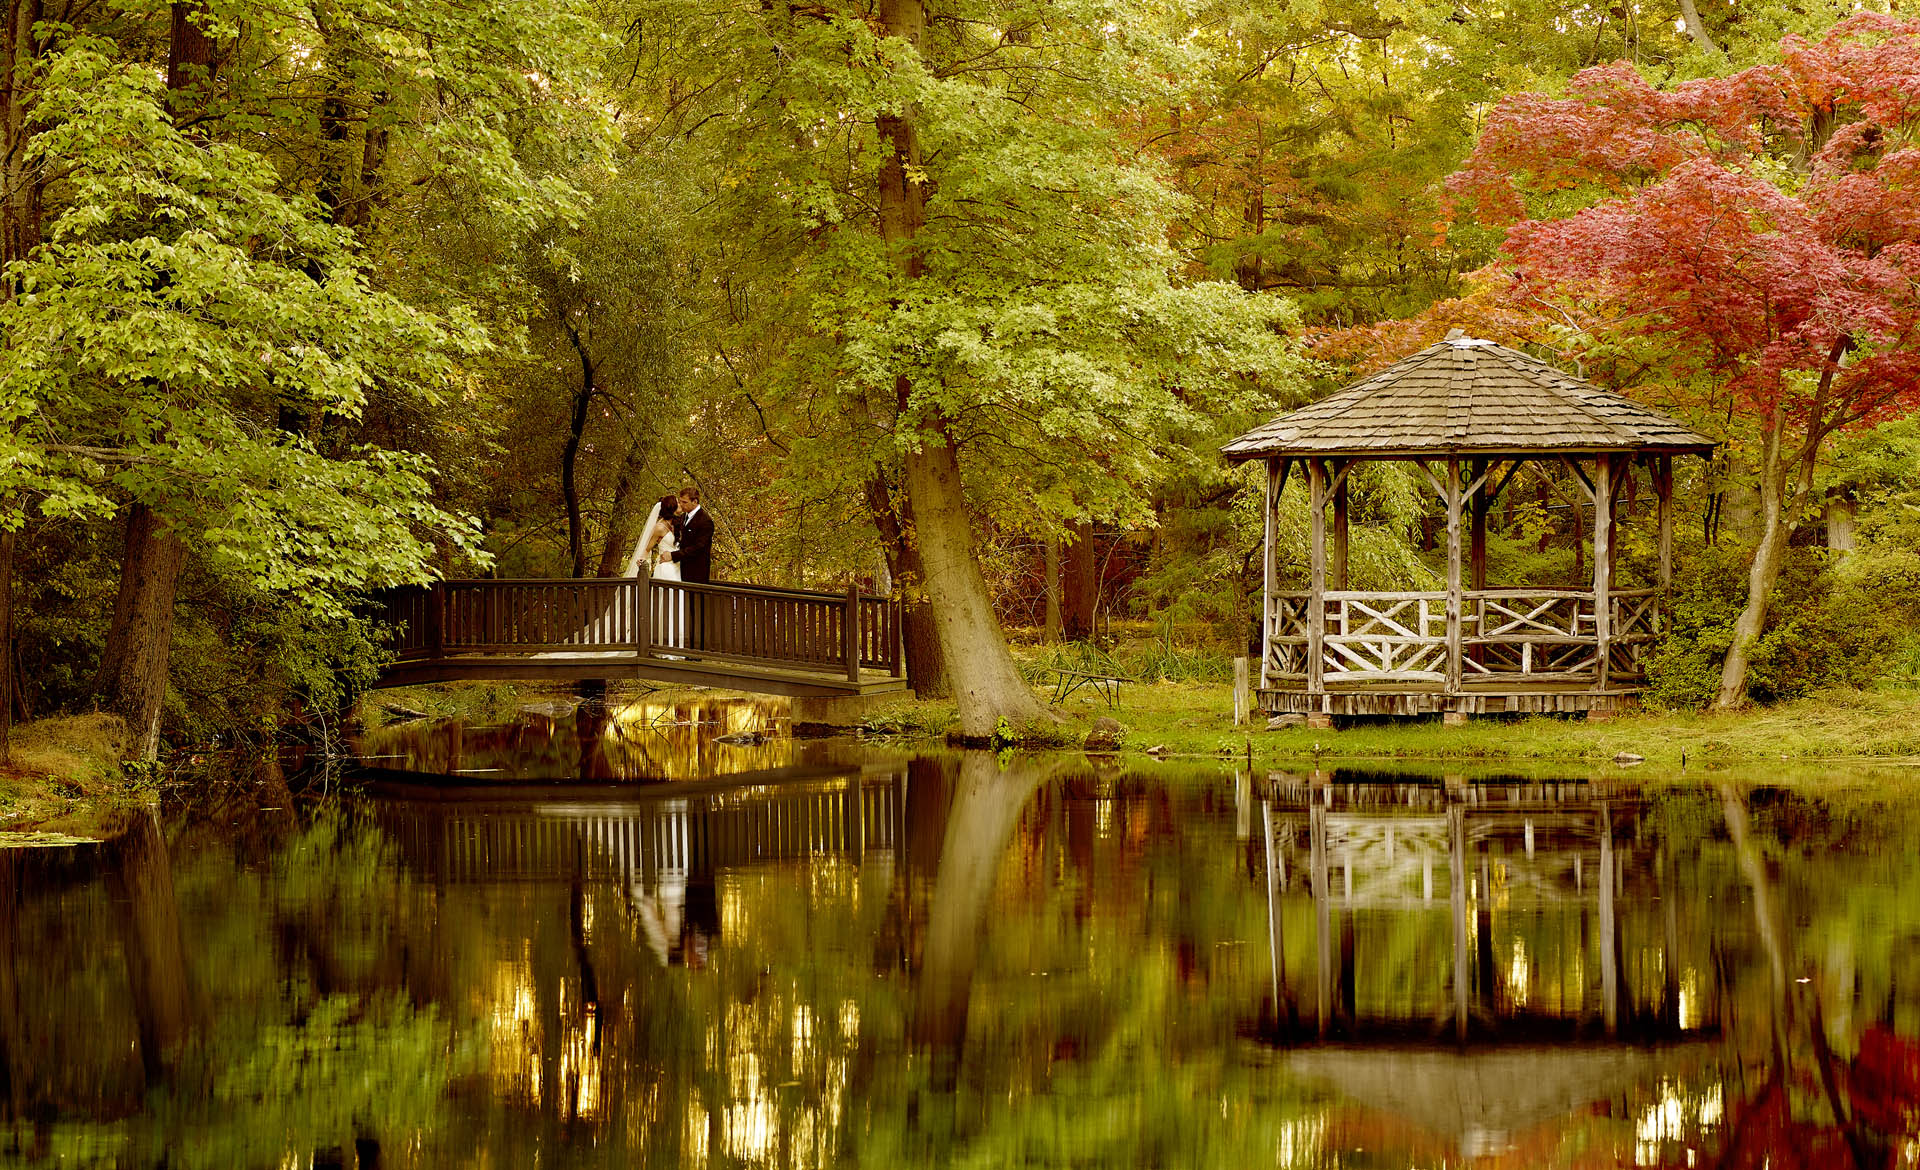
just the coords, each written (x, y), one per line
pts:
(1473, 971)
(1506, 898)
(1468, 415)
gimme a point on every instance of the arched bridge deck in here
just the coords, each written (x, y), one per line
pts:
(744, 637)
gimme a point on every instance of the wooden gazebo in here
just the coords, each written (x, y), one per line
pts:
(1469, 415)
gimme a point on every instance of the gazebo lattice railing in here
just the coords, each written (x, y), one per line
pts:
(1469, 415)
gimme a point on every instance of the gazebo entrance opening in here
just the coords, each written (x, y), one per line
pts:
(1468, 416)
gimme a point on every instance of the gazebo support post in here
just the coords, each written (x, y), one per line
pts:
(1602, 567)
(1482, 501)
(1340, 526)
(1663, 491)
(1276, 483)
(1454, 594)
(1479, 504)
(1317, 585)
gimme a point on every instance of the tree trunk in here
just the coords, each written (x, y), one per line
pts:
(190, 52)
(1765, 571)
(20, 203)
(570, 454)
(1690, 18)
(1079, 586)
(133, 665)
(926, 669)
(985, 680)
(968, 633)
(1053, 589)
(6, 646)
(20, 211)
(621, 522)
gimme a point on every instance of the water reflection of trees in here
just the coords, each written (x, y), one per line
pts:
(959, 961)
(204, 1002)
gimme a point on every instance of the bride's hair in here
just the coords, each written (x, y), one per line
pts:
(669, 509)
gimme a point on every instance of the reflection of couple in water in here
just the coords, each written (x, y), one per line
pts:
(677, 545)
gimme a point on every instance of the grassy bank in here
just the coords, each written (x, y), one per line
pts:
(62, 765)
(1196, 719)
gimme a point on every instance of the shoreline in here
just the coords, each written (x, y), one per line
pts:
(71, 766)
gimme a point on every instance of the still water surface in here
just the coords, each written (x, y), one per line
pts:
(828, 954)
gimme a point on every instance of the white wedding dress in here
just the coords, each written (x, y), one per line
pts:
(661, 567)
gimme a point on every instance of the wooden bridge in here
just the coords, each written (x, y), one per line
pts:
(744, 637)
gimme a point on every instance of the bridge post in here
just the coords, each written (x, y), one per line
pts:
(850, 632)
(643, 612)
(436, 607)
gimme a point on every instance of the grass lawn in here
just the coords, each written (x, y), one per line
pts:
(1196, 719)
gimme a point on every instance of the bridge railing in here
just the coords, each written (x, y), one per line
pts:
(513, 615)
(757, 624)
(793, 628)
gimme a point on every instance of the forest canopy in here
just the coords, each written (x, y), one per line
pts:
(950, 298)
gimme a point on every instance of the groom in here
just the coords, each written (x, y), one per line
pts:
(695, 557)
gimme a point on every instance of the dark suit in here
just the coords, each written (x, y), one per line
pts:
(696, 564)
(696, 548)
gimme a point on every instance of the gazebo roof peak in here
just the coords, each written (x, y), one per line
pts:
(1467, 395)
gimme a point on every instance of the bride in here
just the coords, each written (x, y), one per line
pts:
(659, 540)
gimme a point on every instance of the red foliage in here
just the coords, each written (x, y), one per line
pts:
(1763, 225)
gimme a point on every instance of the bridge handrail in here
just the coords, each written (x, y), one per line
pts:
(756, 624)
(708, 586)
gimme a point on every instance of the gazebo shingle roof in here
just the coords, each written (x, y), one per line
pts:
(1466, 395)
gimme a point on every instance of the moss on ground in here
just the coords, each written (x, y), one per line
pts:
(64, 763)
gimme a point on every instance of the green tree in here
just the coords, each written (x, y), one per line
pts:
(992, 318)
(178, 299)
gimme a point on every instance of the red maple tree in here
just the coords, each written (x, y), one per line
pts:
(1763, 228)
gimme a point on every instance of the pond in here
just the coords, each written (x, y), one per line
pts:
(831, 953)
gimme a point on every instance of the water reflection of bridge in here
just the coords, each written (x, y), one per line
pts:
(662, 849)
(1489, 912)
(678, 831)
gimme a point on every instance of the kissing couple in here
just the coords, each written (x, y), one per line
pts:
(677, 545)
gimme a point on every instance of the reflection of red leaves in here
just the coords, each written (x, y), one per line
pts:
(1762, 1133)
(1883, 1083)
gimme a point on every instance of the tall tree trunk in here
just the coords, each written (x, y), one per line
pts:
(1768, 557)
(570, 454)
(133, 665)
(621, 521)
(20, 208)
(190, 52)
(6, 646)
(20, 200)
(1079, 586)
(967, 631)
(1052, 571)
(926, 669)
(985, 681)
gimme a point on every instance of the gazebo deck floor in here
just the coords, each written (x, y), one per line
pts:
(1414, 697)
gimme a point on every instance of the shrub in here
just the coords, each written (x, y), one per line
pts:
(1831, 621)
